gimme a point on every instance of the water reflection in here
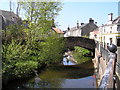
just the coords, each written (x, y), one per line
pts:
(87, 82)
(67, 62)
(67, 75)
(42, 84)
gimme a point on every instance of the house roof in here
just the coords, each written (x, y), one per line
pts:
(57, 30)
(73, 28)
(80, 27)
(8, 15)
(117, 20)
(84, 25)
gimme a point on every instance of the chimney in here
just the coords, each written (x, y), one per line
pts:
(91, 20)
(68, 28)
(82, 23)
(110, 17)
(77, 25)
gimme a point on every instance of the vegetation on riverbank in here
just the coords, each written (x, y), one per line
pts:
(28, 48)
(81, 55)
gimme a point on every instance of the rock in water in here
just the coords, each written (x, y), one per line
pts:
(37, 80)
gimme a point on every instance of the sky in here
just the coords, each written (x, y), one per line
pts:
(80, 10)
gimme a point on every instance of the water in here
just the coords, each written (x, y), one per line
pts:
(87, 82)
(66, 75)
(68, 63)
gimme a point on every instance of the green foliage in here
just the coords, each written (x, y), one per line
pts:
(85, 36)
(27, 48)
(52, 49)
(19, 60)
(16, 59)
(40, 11)
(79, 54)
(25, 68)
(13, 32)
(81, 51)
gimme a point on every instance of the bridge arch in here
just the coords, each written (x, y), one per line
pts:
(86, 43)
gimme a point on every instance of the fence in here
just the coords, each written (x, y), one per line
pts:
(103, 51)
(111, 75)
(107, 79)
(118, 68)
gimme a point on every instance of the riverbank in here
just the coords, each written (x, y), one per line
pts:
(79, 55)
(60, 76)
(7, 81)
(19, 60)
(67, 71)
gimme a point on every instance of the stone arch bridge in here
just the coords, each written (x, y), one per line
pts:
(80, 41)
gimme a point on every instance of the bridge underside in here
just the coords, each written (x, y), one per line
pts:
(87, 43)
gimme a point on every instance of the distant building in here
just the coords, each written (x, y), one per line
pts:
(81, 30)
(58, 31)
(7, 18)
(110, 32)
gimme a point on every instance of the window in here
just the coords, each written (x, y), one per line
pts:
(95, 35)
(104, 30)
(110, 40)
(118, 27)
(110, 27)
(118, 42)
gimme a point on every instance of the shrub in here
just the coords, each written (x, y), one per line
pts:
(79, 54)
(16, 59)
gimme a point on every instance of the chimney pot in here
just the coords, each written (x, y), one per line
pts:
(77, 25)
(110, 16)
(82, 23)
(68, 28)
(91, 20)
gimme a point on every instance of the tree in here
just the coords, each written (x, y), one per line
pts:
(40, 43)
(36, 11)
(41, 15)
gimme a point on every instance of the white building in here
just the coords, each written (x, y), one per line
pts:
(75, 31)
(110, 32)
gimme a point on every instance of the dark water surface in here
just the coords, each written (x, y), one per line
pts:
(66, 75)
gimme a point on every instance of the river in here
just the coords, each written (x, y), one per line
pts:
(66, 75)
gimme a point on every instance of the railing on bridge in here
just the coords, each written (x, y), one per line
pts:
(108, 77)
(103, 51)
(118, 68)
(110, 57)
